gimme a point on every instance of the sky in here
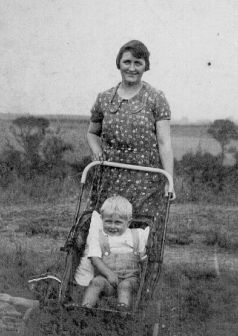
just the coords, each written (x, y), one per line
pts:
(57, 55)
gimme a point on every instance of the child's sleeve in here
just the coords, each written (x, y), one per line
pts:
(93, 245)
(143, 237)
(85, 271)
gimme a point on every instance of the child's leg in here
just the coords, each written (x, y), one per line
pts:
(125, 290)
(97, 285)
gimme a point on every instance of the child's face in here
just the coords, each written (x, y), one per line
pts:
(114, 224)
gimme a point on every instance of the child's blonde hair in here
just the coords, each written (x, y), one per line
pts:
(119, 205)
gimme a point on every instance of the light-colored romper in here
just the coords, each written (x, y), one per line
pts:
(125, 265)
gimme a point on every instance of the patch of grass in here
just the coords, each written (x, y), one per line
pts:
(16, 267)
(223, 240)
(179, 239)
(216, 224)
(195, 301)
(40, 189)
(180, 224)
(198, 272)
(18, 264)
(39, 228)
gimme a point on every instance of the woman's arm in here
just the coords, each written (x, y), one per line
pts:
(165, 148)
(94, 141)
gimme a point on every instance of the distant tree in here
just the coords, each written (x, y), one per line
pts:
(223, 130)
(202, 169)
(34, 149)
(29, 132)
(53, 150)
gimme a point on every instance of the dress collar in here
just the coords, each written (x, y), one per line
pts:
(114, 93)
(135, 106)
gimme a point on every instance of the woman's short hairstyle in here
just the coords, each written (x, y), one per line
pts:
(119, 205)
(138, 50)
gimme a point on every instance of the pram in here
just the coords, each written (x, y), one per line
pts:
(105, 313)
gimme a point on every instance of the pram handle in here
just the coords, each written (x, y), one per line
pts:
(128, 166)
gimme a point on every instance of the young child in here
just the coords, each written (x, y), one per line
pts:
(115, 252)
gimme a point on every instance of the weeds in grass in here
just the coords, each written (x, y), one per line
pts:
(180, 238)
(38, 228)
(199, 301)
(198, 272)
(39, 189)
(55, 262)
(18, 264)
(216, 237)
(16, 267)
(215, 227)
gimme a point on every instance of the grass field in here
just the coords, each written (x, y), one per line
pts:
(198, 288)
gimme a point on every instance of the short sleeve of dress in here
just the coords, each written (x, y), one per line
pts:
(96, 110)
(161, 107)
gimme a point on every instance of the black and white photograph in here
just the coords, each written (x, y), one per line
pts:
(118, 168)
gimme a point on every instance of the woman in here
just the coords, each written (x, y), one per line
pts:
(130, 123)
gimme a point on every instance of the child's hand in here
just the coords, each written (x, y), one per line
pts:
(113, 279)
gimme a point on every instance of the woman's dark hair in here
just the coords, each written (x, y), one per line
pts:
(138, 50)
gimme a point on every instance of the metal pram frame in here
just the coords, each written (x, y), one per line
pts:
(151, 266)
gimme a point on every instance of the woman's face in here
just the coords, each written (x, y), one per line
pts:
(131, 68)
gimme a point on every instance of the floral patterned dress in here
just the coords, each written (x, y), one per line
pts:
(129, 136)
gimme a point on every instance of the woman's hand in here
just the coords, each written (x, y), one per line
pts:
(94, 141)
(98, 155)
(165, 150)
(166, 192)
